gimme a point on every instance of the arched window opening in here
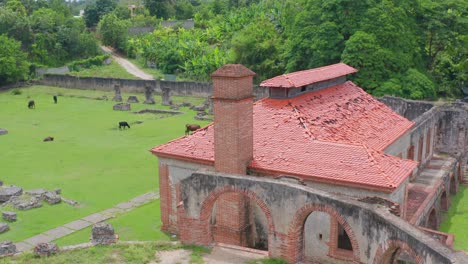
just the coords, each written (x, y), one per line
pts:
(343, 239)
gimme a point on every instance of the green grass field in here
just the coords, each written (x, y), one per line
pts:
(116, 254)
(113, 70)
(456, 219)
(91, 160)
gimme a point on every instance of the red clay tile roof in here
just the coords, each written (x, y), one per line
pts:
(302, 78)
(233, 70)
(334, 135)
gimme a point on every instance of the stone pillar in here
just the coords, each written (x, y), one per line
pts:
(149, 95)
(118, 95)
(233, 118)
(166, 96)
(209, 105)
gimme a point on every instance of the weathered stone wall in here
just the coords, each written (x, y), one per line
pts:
(373, 232)
(196, 89)
(407, 108)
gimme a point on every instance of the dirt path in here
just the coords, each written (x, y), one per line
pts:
(128, 66)
(219, 255)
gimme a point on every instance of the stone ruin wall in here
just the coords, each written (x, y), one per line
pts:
(195, 89)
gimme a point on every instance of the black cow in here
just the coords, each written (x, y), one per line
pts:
(48, 139)
(55, 99)
(31, 104)
(123, 124)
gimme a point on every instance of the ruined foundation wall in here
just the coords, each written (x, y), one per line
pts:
(371, 229)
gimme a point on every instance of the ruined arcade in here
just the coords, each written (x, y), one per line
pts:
(320, 171)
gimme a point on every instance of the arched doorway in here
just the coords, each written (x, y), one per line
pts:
(396, 252)
(432, 222)
(237, 218)
(444, 201)
(318, 234)
(453, 184)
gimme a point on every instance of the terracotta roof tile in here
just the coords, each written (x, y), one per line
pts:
(233, 70)
(302, 78)
(333, 135)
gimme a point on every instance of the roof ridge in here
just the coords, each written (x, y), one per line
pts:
(371, 156)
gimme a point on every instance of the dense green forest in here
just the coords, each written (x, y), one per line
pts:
(409, 48)
(39, 32)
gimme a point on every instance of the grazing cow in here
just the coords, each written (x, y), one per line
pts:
(48, 139)
(123, 124)
(31, 104)
(55, 99)
(191, 127)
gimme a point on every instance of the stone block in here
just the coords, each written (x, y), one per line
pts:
(122, 107)
(9, 216)
(45, 249)
(7, 248)
(4, 227)
(7, 192)
(39, 193)
(103, 233)
(52, 198)
(25, 203)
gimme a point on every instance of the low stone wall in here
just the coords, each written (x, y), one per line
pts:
(196, 89)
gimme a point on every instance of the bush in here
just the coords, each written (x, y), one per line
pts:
(16, 91)
(88, 63)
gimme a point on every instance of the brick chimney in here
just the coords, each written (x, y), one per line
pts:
(233, 118)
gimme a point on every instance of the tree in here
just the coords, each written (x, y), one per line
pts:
(95, 11)
(13, 62)
(114, 31)
(417, 86)
(364, 53)
(160, 8)
(257, 47)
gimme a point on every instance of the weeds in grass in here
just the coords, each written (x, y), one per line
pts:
(197, 253)
(16, 91)
(268, 261)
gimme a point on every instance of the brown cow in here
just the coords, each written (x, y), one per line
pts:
(191, 127)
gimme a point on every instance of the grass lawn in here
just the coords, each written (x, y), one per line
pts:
(113, 70)
(456, 219)
(91, 160)
(116, 254)
(142, 223)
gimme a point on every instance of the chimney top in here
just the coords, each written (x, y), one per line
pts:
(233, 71)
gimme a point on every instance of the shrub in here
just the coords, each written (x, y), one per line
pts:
(88, 63)
(16, 91)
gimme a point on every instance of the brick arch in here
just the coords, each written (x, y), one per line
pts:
(382, 256)
(294, 251)
(444, 201)
(432, 221)
(453, 184)
(208, 203)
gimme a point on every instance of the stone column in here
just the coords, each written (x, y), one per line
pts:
(166, 96)
(117, 96)
(209, 105)
(149, 95)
